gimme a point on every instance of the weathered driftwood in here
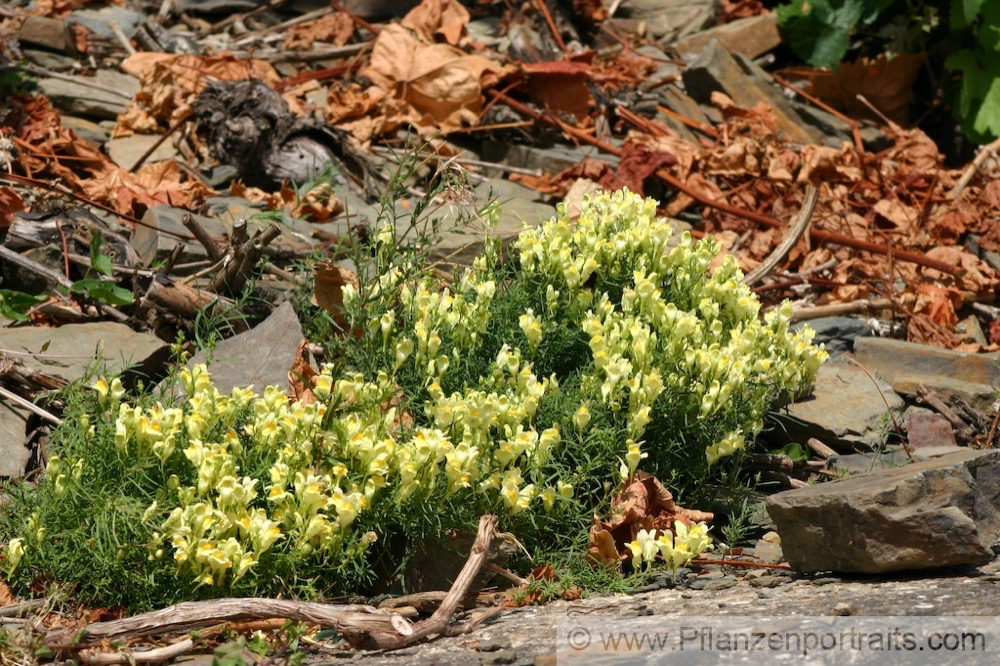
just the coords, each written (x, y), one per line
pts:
(153, 656)
(183, 299)
(439, 621)
(819, 448)
(235, 271)
(351, 621)
(198, 231)
(792, 236)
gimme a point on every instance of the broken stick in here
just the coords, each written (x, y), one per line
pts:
(788, 242)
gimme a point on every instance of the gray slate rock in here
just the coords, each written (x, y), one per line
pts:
(951, 374)
(72, 349)
(939, 513)
(845, 410)
(99, 21)
(14, 454)
(89, 102)
(126, 151)
(716, 70)
(89, 131)
(837, 333)
(260, 357)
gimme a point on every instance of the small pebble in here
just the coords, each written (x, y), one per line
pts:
(768, 581)
(716, 585)
(825, 580)
(843, 609)
(493, 644)
(500, 657)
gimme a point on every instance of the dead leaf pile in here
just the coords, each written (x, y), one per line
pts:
(643, 503)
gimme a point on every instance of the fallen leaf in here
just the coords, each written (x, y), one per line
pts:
(301, 375)
(825, 164)
(153, 184)
(939, 304)
(328, 292)
(885, 82)
(592, 11)
(638, 162)
(10, 203)
(642, 503)
(336, 29)
(435, 88)
(432, 19)
(544, 572)
(317, 205)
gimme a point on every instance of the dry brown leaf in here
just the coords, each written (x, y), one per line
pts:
(743, 156)
(914, 149)
(432, 19)
(7, 596)
(60, 8)
(939, 303)
(638, 162)
(886, 83)
(976, 275)
(318, 205)
(157, 183)
(336, 29)
(592, 11)
(642, 503)
(602, 548)
(302, 375)
(560, 184)
(10, 203)
(328, 293)
(822, 164)
(560, 86)
(435, 88)
(903, 217)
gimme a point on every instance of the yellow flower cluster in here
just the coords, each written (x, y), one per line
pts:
(677, 326)
(329, 461)
(677, 547)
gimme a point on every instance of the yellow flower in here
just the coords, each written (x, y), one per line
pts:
(13, 553)
(531, 326)
(644, 548)
(581, 417)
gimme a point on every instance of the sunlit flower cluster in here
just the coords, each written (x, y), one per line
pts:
(677, 328)
(453, 396)
(677, 547)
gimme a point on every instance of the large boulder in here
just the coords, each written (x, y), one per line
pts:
(938, 513)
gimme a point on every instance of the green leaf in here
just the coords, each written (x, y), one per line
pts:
(978, 105)
(14, 305)
(795, 451)
(98, 261)
(963, 12)
(819, 31)
(987, 117)
(104, 291)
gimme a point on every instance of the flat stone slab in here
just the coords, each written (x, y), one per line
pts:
(90, 102)
(752, 36)
(942, 512)
(72, 349)
(125, 151)
(846, 409)
(951, 374)
(259, 357)
(14, 454)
